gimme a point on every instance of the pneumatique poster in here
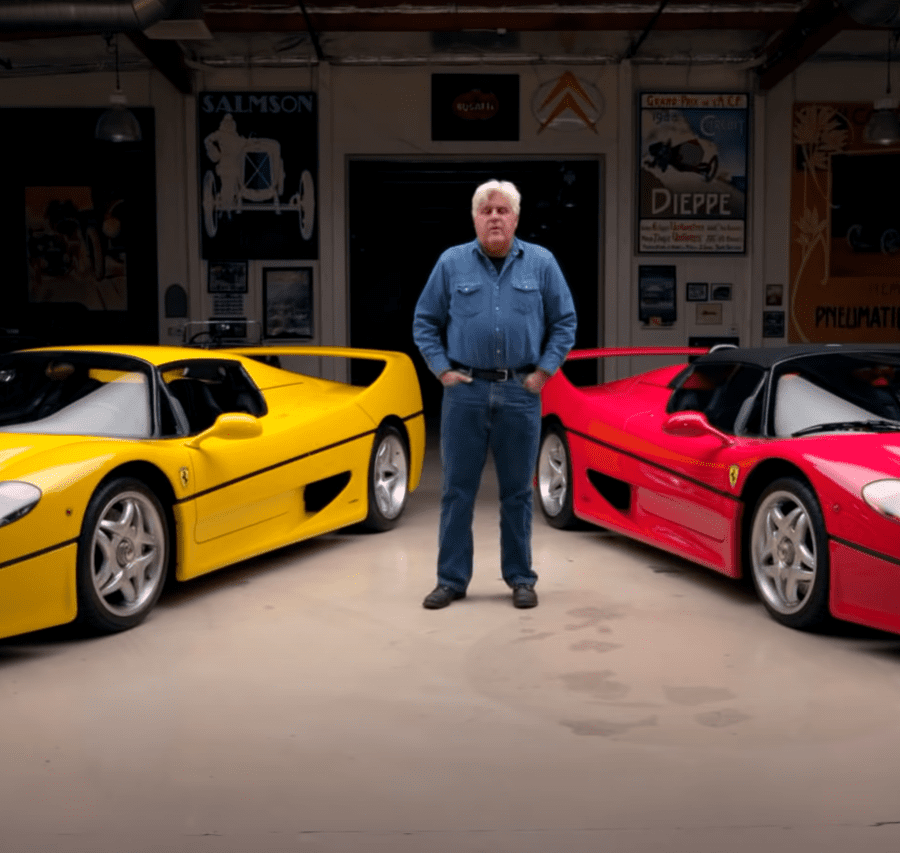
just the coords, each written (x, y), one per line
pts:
(844, 282)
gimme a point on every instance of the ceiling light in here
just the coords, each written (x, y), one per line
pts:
(118, 123)
(883, 127)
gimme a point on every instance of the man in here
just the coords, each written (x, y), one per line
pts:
(494, 322)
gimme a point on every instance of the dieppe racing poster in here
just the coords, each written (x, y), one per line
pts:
(692, 184)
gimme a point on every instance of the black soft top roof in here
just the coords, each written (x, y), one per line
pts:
(768, 357)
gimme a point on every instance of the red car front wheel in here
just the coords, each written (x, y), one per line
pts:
(788, 553)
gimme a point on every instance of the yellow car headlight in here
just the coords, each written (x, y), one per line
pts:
(17, 499)
(884, 497)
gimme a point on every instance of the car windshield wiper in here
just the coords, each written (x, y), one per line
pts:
(850, 426)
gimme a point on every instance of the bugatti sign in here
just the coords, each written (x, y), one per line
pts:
(476, 105)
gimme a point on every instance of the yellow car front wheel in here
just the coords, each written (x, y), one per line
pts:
(122, 556)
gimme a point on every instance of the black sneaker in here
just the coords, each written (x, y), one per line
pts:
(441, 596)
(524, 595)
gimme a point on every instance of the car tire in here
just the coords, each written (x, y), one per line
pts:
(123, 554)
(554, 479)
(788, 554)
(388, 487)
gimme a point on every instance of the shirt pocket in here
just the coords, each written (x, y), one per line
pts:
(527, 296)
(466, 299)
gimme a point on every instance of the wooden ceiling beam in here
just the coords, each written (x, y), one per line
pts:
(522, 21)
(812, 29)
(168, 59)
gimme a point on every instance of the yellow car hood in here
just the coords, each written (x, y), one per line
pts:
(52, 462)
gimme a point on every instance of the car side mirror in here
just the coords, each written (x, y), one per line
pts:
(230, 426)
(692, 425)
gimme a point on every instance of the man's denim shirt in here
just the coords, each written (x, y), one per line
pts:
(471, 314)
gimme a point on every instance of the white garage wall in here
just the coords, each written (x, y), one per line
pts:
(384, 111)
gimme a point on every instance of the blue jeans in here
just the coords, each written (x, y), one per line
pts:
(506, 418)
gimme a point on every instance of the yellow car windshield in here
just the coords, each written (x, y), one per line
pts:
(75, 393)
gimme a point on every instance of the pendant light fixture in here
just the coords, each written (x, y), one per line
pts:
(118, 123)
(883, 128)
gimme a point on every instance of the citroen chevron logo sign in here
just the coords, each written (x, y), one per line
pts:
(567, 104)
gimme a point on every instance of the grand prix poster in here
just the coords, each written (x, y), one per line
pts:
(692, 175)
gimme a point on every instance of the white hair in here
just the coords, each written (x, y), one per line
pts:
(504, 187)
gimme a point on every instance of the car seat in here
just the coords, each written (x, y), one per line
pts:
(197, 401)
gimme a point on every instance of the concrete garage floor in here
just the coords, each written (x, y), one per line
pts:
(305, 702)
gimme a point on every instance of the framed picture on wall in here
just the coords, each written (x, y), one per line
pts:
(227, 277)
(288, 302)
(773, 324)
(697, 291)
(656, 294)
(708, 314)
(70, 256)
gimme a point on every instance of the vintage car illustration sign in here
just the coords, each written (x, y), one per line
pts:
(692, 178)
(258, 171)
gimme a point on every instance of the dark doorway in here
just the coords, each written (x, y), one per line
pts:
(402, 215)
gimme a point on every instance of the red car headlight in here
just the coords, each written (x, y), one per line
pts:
(17, 499)
(884, 497)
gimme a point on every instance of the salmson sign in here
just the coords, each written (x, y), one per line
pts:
(258, 173)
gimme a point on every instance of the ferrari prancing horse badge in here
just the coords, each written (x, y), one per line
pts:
(733, 472)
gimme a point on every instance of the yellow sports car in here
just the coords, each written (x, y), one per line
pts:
(122, 465)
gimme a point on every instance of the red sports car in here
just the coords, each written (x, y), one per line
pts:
(783, 463)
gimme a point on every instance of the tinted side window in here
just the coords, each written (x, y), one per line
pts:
(205, 388)
(728, 394)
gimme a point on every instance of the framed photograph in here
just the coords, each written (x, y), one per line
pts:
(227, 277)
(709, 314)
(774, 294)
(697, 291)
(773, 324)
(720, 292)
(288, 302)
(656, 294)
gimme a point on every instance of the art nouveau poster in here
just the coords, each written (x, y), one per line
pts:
(845, 229)
(692, 175)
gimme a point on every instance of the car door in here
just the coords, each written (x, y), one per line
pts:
(235, 482)
(686, 487)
